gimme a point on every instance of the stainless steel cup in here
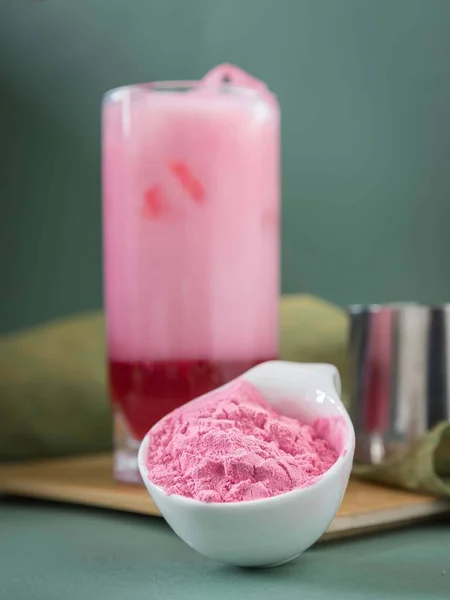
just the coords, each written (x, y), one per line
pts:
(399, 362)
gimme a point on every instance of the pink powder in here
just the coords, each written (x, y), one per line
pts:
(234, 446)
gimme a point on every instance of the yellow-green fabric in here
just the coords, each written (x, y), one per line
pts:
(52, 390)
(53, 399)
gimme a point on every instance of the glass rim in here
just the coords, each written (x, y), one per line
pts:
(118, 93)
(356, 309)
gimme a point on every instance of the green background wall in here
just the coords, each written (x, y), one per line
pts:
(364, 87)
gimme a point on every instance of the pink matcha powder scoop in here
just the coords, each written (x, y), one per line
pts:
(257, 525)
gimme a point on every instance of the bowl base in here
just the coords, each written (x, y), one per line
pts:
(271, 565)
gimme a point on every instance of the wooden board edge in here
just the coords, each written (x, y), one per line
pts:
(391, 516)
(332, 536)
(341, 527)
(83, 496)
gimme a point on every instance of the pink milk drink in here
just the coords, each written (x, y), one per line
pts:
(191, 243)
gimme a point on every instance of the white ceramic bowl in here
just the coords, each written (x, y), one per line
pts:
(270, 531)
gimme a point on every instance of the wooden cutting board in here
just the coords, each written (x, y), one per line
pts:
(88, 480)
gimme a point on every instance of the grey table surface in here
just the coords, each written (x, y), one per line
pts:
(51, 551)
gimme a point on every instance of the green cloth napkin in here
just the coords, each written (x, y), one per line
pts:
(53, 399)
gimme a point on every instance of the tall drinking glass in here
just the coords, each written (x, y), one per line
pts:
(191, 243)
